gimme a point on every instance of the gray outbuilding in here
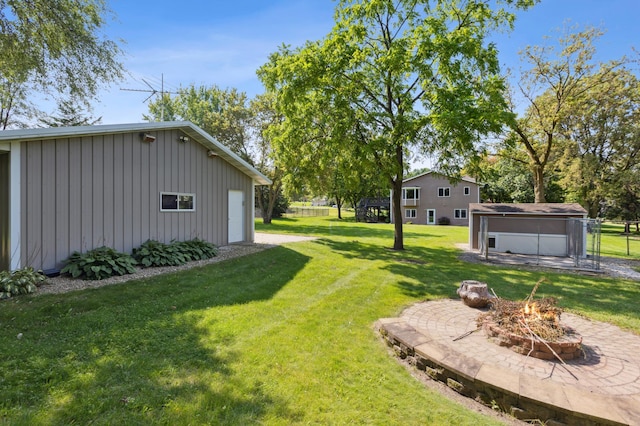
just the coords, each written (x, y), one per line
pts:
(71, 189)
(553, 229)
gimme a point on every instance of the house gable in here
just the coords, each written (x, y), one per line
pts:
(430, 197)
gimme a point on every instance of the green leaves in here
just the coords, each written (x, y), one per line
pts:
(55, 46)
(154, 253)
(391, 77)
(98, 264)
(21, 281)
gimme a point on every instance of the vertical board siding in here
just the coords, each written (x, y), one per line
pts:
(33, 235)
(86, 191)
(101, 162)
(75, 196)
(5, 243)
(82, 193)
(136, 194)
(61, 194)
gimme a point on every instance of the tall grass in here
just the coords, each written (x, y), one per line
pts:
(283, 336)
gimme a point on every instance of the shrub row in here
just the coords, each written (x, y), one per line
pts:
(105, 262)
(21, 281)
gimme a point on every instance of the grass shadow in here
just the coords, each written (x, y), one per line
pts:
(333, 227)
(156, 350)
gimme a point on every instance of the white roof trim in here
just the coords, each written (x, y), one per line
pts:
(187, 127)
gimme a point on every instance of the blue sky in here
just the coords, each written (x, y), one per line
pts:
(207, 42)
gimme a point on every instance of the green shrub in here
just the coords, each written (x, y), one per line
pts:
(444, 220)
(155, 253)
(96, 264)
(21, 281)
(196, 249)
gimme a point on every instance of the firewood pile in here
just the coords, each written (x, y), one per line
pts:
(528, 318)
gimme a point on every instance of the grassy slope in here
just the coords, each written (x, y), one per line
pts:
(280, 337)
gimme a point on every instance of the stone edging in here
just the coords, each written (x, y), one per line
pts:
(493, 387)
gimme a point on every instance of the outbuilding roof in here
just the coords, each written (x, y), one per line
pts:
(563, 209)
(187, 127)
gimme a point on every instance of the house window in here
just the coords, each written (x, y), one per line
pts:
(410, 193)
(410, 213)
(467, 190)
(492, 242)
(175, 201)
(444, 192)
(460, 213)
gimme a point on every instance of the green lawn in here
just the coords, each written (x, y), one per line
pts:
(283, 336)
(615, 242)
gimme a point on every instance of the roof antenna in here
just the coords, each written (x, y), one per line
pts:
(153, 92)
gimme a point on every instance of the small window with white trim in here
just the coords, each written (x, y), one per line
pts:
(444, 192)
(460, 213)
(177, 202)
(467, 190)
(410, 213)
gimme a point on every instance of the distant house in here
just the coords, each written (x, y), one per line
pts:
(553, 229)
(430, 198)
(78, 188)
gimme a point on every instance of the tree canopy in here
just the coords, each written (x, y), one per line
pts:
(53, 47)
(390, 77)
(558, 80)
(600, 138)
(69, 113)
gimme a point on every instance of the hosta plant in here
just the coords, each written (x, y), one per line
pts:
(155, 253)
(97, 264)
(196, 249)
(21, 281)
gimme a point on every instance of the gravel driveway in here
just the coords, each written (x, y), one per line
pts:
(277, 239)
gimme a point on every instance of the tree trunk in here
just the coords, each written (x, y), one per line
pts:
(272, 191)
(266, 205)
(538, 183)
(593, 208)
(398, 238)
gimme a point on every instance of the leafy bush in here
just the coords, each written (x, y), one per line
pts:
(197, 249)
(102, 262)
(444, 220)
(21, 281)
(155, 253)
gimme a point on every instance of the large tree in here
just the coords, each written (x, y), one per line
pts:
(507, 178)
(558, 80)
(394, 75)
(69, 113)
(264, 117)
(52, 47)
(601, 142)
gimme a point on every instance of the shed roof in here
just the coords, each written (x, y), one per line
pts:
(563, 209)
(187, 127)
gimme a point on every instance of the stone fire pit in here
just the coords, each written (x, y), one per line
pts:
(568, 347)
(528, 327)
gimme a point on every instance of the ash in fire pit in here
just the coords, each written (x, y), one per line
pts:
(531, 328)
